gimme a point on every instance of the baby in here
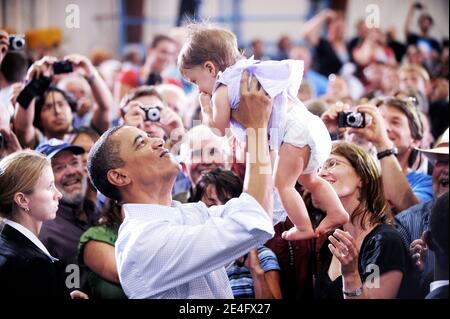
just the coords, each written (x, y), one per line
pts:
(210, 58)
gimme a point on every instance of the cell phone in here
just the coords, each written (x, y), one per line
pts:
(351, 119)
(62, 67)
(34, 88)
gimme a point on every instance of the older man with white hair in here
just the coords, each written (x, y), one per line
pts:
(201, 151)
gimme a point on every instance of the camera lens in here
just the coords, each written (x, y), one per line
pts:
(355, 120)
(153, 114)
(16, 43)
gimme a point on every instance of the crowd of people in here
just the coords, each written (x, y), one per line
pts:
(202, 172)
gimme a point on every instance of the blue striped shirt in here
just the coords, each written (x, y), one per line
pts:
(241, 278)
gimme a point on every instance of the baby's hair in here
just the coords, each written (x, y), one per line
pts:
(206, 42)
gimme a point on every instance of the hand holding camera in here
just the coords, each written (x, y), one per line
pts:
(330, 117)
(39, 78)
(81, 63)
(351, 119)
(375, 130)
(134, 115)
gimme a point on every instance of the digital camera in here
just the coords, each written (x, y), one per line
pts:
(351, 119)
(62, 67)
(16, 42)
(152, 113)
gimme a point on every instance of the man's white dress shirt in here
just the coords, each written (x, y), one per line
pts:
(181, 251)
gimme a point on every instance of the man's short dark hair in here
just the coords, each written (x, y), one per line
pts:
(104, 156)
(14, 67)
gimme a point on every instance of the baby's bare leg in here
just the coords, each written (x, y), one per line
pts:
(327, 200)
(288, 168)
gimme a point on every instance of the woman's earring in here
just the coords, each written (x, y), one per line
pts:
(27, 209)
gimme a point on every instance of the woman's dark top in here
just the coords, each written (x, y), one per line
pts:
(26, 271)
(381, 249)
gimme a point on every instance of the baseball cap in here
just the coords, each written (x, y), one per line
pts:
(440, 148)
(53, 146)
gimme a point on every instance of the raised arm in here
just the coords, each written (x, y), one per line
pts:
(101, 119)
(311, 29)
(24, 114)
(396, 187)
(409, 18)
(253, 113)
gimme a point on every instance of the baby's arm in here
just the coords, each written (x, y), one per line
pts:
(221, 110)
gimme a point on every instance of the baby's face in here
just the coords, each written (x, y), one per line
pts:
(201, 76)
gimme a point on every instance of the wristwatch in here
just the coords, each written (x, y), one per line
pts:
(389, 151)
(355, 293)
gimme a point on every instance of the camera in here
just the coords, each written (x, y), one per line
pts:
(418, 6)
(152, 113)
(16, 42)
(62, 67)
(351, 119)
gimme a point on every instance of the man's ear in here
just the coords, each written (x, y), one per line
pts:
(415, 143)
(118, 178)
(211, 68)
(427, 238)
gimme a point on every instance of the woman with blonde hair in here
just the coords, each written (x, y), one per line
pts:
(28, 197)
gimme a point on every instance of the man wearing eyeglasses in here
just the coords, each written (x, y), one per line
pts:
(75, 213)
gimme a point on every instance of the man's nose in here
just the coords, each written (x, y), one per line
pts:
(157, 142)
(57, 109)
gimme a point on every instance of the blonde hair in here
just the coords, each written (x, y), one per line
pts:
(19, 172)
(208, 43)
(416, 69)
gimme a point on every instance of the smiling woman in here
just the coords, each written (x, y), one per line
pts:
(368, 258)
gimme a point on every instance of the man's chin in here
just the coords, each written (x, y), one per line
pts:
(72, 198)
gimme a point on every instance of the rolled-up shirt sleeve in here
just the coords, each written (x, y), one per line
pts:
(164, 253)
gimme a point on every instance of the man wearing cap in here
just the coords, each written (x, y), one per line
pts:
(75, 213)
(413, 222)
